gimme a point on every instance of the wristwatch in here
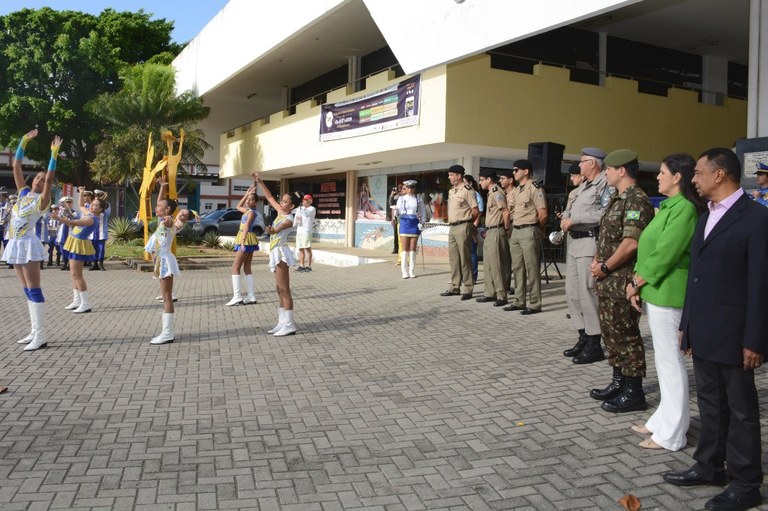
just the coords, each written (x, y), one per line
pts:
(604, 268)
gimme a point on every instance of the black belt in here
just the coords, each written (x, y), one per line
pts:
(459, 222)
(495, 227)
(524, 226)
(592, 233)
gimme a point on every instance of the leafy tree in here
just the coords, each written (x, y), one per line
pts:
(147, 103)
(54, 64)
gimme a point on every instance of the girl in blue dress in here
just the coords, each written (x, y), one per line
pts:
(246, 244)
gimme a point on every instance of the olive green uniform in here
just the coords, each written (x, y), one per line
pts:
(496, 264)
(461, 202)
(525, 244)
(626, 216)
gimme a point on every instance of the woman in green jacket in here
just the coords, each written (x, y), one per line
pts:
(661, 273)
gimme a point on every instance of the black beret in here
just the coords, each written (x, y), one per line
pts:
(456, 169)
(574, 168)
(523, 164)
(486, 172)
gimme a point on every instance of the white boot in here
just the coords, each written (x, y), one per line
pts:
(237, 297)
(251, 298)
(167, 335)
(404, 263)
(280, 321)
(85, 306)
(75, 300)
(411, 264)
(38, 310)
(33, 321)
(289, 327)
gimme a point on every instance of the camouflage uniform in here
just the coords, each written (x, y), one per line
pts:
(626, 216)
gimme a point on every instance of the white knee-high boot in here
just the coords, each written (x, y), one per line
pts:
(280, 321)
(32, 321)
(404, 263)
(237, 296)
(167, 335)
(75, 300)
(38, 310)
(411, 264)
(289, 327)
(251, 297)
(85, 305)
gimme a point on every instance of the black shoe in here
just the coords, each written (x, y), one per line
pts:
(485, 299)
(631, 398)
(528, 312)
(612, 390)
(466, 296)
(499, 303)
(94, 267)
(572, 352)
(101, 266)
(514, 307)
(450, 293)
(689, 477)
(592, 352)
(729, 500)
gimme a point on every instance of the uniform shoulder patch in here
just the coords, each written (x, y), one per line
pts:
(633, 214)
(536, 184)
(467, 187)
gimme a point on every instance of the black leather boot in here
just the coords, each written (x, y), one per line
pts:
(58, 258)
(612, 390)
(50, 259)
(592, 351)
(101, 265)
(572, 352)
(631, 398)
(65, 266)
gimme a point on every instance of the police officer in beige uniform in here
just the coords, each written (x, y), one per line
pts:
(507, 183)
(529, 214)
(580, 222)
(496, 265)
(462, 211)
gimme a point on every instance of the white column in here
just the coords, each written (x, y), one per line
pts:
(757, 105)
(714, 80)
(471, 164)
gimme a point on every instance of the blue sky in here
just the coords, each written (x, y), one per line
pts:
(189, 16)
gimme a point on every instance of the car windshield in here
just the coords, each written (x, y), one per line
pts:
(213, 215)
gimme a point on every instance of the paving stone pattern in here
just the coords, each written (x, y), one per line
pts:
(389, 398)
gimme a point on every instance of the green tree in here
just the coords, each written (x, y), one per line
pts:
(54, 64)
(147, 103)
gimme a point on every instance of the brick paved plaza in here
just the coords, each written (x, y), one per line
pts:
(390, 398)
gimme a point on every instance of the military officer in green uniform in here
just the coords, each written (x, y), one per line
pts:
(462, 211)
(496, 265)
(579, 222)
(529, 214)
(629, 211)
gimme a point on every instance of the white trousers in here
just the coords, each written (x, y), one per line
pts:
(669, 423)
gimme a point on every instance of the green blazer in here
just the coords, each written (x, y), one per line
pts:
(663, 252)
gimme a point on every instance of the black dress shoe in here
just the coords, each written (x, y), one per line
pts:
(485, 299)
(499, 303)
(466, 296)
(690, 477)
(450, 293)
(528, 312)
(729, 500)
(514, 308)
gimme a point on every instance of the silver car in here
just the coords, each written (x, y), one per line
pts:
(226, 222)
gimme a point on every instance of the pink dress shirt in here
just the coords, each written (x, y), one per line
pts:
(718, 209)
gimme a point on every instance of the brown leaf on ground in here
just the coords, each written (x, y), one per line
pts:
(630, 502)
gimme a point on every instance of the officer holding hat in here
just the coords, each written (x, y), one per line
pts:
(761, 175)
(529, 214)
(580, 222)
(462, 211)
(628, 212)
(496, 265)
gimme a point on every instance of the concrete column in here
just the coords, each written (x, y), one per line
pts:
(602, 56)
(757, 105)
(286, 97)
(714, 74)
(351, 209)
(471, 164)
(353, 72)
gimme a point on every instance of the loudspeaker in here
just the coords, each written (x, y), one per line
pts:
(547, 161)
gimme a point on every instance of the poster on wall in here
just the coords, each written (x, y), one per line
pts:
(387, 109)
(371, 198)
(330, 200)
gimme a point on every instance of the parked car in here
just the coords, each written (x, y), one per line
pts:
(226, 222)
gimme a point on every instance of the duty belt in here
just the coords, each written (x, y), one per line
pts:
(500, 226)
(592, 233)
(524, 226)
(459, 222)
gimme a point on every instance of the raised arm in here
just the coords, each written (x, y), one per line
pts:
(267, 194)
(46, 195)
(18, 175)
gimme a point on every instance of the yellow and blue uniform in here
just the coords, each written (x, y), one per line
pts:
(79, 246)
(24, 245)
(246, 240)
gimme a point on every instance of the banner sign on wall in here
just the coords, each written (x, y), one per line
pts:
(391, 108)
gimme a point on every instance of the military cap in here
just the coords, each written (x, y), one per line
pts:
(574, 168)
(88, 192)
(410, 182)
(762, 167)
(620, 157)
(593, 152)
(505, 173)
(486, 172)
(456, 169)
(3, 191)
(522, 164)
(64, 199)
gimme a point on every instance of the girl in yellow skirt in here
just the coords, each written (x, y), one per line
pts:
(246, 244)
(78, 249)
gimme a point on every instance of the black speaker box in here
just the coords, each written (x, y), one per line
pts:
(547, 161)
